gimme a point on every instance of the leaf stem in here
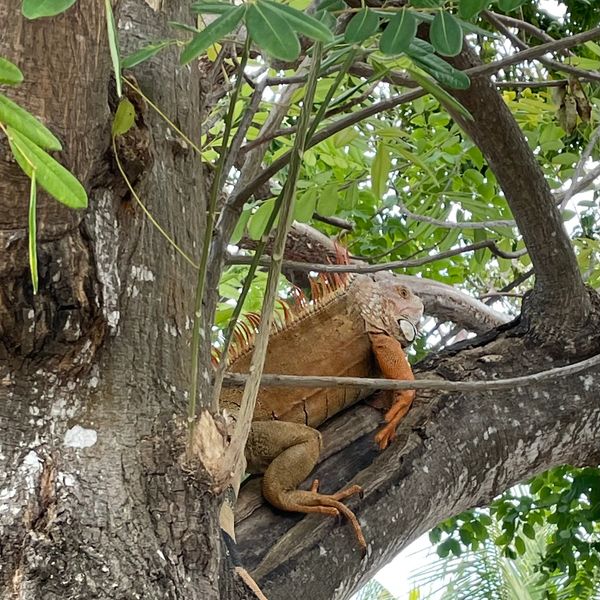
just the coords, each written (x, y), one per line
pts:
(217, 185)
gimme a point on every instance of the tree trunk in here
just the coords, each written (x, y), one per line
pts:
(95, 499)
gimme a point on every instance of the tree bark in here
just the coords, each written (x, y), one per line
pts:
(454, 452)
(95, 499)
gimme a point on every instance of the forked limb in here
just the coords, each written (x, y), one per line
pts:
(287, 453)
(393, 364)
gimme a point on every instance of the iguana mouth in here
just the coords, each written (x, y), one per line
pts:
(408, 329)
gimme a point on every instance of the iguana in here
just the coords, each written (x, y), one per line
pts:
(358, 329)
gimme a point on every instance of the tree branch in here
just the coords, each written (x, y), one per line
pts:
(397, 264)
(497, 21)
(368, 383)
(558, 281)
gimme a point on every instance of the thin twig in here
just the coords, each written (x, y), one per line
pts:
(217, 184)
(513, 383)
(531, 84)
(234, 452)
(397, 264)
(334, 221)
(496, 21)
(454, 224)
(580, 166)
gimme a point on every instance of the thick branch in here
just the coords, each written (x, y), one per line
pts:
(455, 451)
(495, 131)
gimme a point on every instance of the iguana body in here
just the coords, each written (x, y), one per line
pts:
(355, 331)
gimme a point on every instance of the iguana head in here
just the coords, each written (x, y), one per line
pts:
(389, 307)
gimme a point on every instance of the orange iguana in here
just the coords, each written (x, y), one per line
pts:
(357, 330)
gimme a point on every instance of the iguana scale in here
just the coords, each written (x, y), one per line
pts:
(356, 330)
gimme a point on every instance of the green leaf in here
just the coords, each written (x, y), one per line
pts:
(213, 32)
(520, 545)
(21, 120)
(445, 99)
(467, 9)
(113, 44)
(9, 72)
(257, 222)
(124, 118)
(236, 236)
(328, 201)
(350, 199)
(529, 531)
(380, 170)
(50, 174)
(442, 71)
(509, 5)
(435, 535)
(331, 5)
(305, 206)
(144, 54)
(34, 9)
(303, 23)
(211, 8)
(446, 34)
(399, 33)
(272, 32)
(32, 233)
(425, 3)
(361, 26)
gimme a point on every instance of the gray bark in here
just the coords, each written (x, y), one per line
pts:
(95, 500)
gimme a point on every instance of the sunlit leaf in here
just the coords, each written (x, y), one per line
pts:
(50, 174)
(124, 117)
(9, 72)
(258, 221)
(380, 171)
(327, 202)
(213, 32)
(21, 120)
(272, 32)
(305, 206)
(34, 9)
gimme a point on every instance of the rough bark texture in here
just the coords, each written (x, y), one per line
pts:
(454, 452)
(96, 500)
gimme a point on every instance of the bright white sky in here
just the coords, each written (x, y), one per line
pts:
(396, 576)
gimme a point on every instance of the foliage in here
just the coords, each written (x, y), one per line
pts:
(560, 510)
(29, 140)
(483, 570)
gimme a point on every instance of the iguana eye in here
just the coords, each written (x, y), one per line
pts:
(403, 292)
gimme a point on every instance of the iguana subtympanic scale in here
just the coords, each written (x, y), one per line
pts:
(357, 330)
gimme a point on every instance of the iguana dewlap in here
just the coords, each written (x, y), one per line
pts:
(356, 331)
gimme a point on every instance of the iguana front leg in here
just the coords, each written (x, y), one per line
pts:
(394, 365)
(287, 453)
